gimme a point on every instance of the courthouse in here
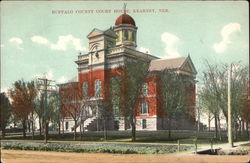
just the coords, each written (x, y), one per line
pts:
(107, 52)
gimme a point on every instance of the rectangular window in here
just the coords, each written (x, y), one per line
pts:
(116, 111)
(85, 89)
(118, 36)
(144, 123)
(145, 89)
(133, 36)
(126, 35)
(98, 88)
(67, 125)
(144, 108)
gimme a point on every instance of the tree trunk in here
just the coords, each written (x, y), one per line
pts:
(247, 130)
(28, 121)
(97, 124)
(169, 126)
(133, 128)
(235, 131)
(209, 122)
(47, 129)
(40, 127)
(219, 128)
(24, 128)
(59, 128)
(125, 123)
(239, 128)
(243, 126)
(75, 130)
(32, 125)
(63, 126)
(105, 129)
(46, 124)
(216, 126)
(80, 131)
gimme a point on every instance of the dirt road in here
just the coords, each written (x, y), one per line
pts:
(17, 156)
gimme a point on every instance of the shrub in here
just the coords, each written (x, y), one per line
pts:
(93, 148)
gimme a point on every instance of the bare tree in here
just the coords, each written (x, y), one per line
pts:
(134, 73)
(55, 109)
(39, 111)
(214, 93)
(71, 102)
(174, 94)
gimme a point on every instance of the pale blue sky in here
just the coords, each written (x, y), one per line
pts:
(35, 41)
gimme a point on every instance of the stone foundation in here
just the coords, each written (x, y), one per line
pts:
(145, 123)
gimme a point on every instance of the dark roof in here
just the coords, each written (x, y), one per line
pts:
(125, 19)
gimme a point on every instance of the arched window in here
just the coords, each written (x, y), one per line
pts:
(85, 90)
(98, 88)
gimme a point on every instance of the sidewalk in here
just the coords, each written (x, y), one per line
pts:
(224, 146)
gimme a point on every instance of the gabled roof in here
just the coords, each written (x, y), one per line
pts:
(110, 32)
(96, 32)
(181, 63)
(164, 63)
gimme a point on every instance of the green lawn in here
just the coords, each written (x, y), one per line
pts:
(143, 137)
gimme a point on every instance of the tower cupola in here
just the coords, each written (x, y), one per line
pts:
(125, 30)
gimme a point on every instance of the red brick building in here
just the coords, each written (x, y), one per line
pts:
(108, 51)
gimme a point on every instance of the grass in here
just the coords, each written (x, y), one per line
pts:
(147, 142)
(124, 137)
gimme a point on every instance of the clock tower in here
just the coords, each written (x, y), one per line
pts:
(99, 41)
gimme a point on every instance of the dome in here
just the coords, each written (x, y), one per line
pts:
(125, 19)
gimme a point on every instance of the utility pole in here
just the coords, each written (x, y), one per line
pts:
(198, 126)
(229, 125)
(45, 84)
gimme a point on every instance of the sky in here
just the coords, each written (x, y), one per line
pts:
(46, 37)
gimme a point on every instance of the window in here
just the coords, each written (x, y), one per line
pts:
(144, 123)
(67, 125)
(133, 36)
(85, 89)
(118, 36)
(98, 88)
(144, 108)
(116, 110)
(126, 35)
(145, 89)
(109, 44)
